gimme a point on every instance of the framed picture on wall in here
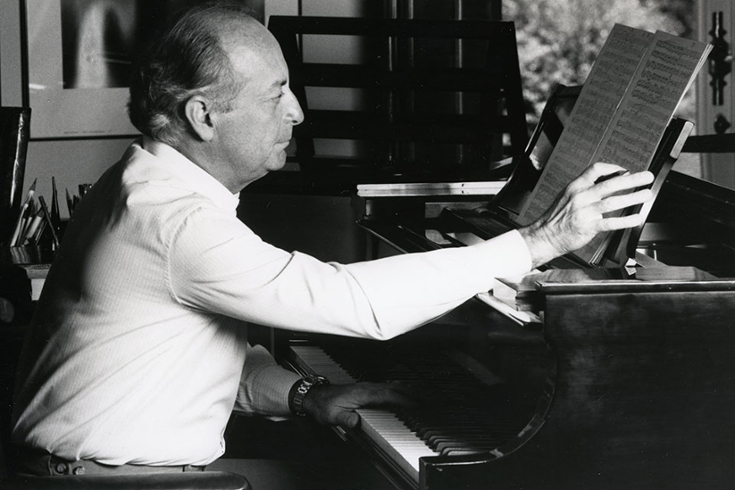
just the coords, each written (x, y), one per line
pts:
(78, 60)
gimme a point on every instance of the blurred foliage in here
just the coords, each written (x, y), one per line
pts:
(558, 40)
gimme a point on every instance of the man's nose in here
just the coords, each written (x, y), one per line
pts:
(295, 114)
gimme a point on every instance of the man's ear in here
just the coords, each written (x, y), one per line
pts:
(197, 112)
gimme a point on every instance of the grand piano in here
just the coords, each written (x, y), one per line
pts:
(623, 378)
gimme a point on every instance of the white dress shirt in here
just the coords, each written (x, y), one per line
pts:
(139, 346)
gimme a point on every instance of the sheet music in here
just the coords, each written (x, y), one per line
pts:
(661, 81)
(599, 99)
(626, 103)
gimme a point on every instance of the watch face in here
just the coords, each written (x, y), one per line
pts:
(313, 379)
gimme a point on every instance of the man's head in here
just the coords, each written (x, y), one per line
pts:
(215, 87)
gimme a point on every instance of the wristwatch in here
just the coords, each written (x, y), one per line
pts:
(301, 389)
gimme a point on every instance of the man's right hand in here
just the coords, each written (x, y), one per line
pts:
(336, 404)
(578, 213)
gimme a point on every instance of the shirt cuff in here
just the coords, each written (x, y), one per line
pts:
(264, 385)
(506, 255)
(275, 384)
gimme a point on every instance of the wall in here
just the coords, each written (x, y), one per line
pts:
(71, 162)
(74, 162)
(321, 226)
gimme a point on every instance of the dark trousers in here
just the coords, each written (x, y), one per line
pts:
(293, 454)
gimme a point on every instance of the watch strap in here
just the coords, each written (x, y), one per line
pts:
(300, 389)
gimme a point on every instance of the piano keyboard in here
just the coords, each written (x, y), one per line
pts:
(474, 414)
(382, 427)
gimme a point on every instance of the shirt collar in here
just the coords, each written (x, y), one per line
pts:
(195, 177)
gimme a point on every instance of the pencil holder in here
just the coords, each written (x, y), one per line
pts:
(31, 254)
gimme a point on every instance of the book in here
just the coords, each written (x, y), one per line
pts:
(630, 96)
(526, 319)
(519, 292)
(522, 292)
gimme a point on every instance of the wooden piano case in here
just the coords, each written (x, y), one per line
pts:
(641, 398)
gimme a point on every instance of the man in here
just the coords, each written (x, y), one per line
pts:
(138, 352)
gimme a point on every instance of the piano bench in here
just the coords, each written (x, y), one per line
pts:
(207, 480)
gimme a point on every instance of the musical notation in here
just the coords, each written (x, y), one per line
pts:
(633, 90)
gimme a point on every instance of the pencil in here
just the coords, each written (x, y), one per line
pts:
(32, 228)
(36, 238)
(69, 203)
(48, 222)
(55, 212)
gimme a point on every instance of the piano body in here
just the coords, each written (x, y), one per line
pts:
(627, 382)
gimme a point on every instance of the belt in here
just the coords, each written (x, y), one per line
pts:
(44, 464)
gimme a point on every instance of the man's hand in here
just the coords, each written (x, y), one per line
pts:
(336, 404)
(577, 215)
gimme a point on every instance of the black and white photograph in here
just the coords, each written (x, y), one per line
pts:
(367, 244)
(97, 39)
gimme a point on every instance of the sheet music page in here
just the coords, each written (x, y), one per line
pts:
(592, 114)
(630, 95)
(663, 77)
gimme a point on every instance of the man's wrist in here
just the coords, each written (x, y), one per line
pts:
(539, 244)
(298, 392)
